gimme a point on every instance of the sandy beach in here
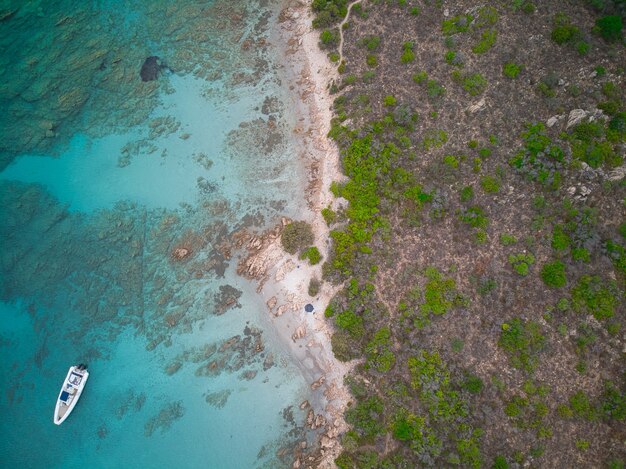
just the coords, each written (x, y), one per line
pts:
(283, 279)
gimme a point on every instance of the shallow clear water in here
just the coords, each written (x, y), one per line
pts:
(106, 179)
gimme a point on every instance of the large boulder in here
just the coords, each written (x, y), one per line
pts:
(151, 68)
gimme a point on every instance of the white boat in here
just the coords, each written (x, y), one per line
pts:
(70, 392)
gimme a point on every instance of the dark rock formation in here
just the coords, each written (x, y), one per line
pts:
(151, 68)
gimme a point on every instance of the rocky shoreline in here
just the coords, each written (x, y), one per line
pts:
(281, 278)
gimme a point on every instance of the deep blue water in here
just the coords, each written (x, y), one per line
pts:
(104, 178)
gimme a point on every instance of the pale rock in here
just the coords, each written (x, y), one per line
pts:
(326, 442)
(317, 383)
(479, 106)
(575, 117)
(281, 310)
(617, 174)
(272, 302)
(299, 333)
(553, 120)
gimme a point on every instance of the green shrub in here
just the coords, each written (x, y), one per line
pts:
(314, 287)
(328, 12)
(439, 294)
(592, 295)
(371, 42)
(378, 351)
(389, 100)
(490, 184)
(434, 139)
(351, 322)
(450, 57)
(367, 417)
(475, 217)
(582, 47)
(581, 406)
(511, 70)
(407, 53)
(329, 215)
(560, 239)
(553, 274)
(312, 254)
(473, 83)
(563, 31)
(434, 90)
(467, 194)
(500, 462)
(456, 24)
(507, 239)
(487, 40)
(582, 445)
(343, 346)
(521, 262)
(296, 236)
(371, 60)
(610, 27)
(451, 161)
(473, 384)
(420, 77)
(522, 341)
(329, 38)
(613, 402)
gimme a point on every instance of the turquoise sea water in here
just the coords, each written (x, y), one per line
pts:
(104, 179)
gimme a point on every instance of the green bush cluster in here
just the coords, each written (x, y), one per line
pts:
(314, 287)
(378, 351)
(328, 12)
(329, 39)
(456, 24)
(296, 236)
(473, 83)
(511, 70)
(522, 341)
(487, 40)
(490, 184)
(521, 262)
(407, 53)
(329, 215)
(434, 90)
(553, 274)
(445, 411)
(609, 27)
(595, 144)
(312, 254)
(371, 42)
(560, 239)
(563, 30)
(592, 295)
(475, 217)
(540, 159)
(529, 411)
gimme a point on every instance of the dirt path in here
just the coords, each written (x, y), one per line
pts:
(345, 20)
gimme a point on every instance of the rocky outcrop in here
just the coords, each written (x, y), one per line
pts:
(151, 68)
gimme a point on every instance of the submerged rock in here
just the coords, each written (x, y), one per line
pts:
(218, 399)
(165, 418)
(151, 68)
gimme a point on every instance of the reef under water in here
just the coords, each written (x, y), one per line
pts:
(137, 138)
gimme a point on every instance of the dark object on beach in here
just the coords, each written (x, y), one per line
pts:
(151, 68)
(309, 308)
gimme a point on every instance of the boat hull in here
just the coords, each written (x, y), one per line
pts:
(70, 393)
